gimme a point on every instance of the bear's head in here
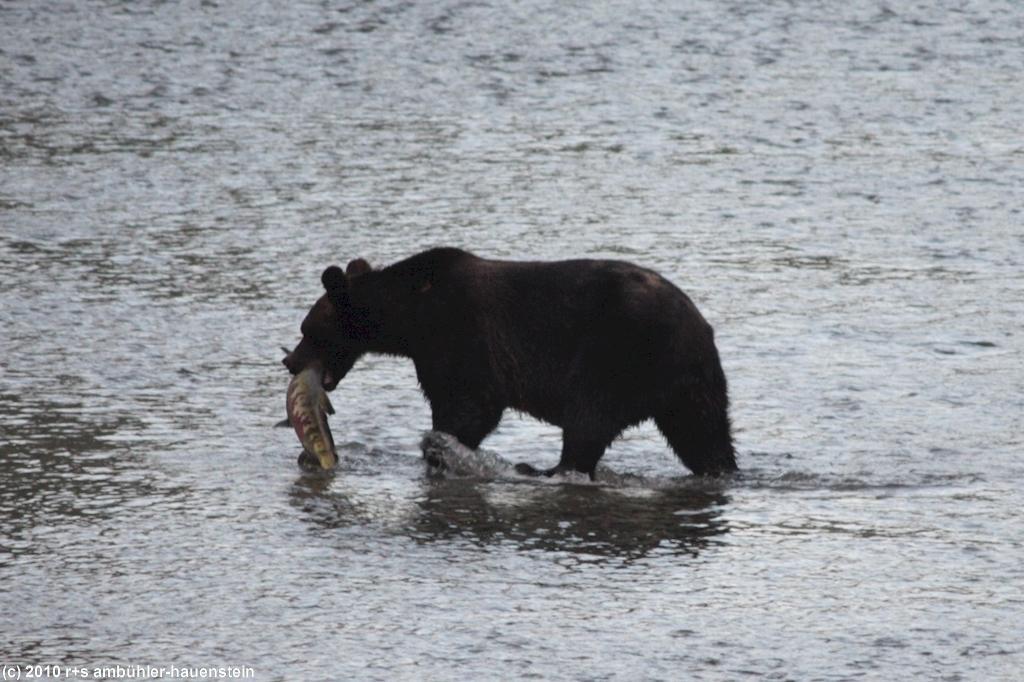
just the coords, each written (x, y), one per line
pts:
(335, 330)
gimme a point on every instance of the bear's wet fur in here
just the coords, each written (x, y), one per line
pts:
(591, 346)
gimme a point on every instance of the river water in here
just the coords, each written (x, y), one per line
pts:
(837, 184)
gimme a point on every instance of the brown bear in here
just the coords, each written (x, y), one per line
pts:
(591, 346)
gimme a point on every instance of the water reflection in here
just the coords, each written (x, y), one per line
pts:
(325, 507)
(580, 519)
(600, 521)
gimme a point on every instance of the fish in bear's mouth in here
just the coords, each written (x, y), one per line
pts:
(307, 407)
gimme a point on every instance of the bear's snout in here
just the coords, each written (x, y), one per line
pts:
(289, 363)
(302, 356)
(293, 361)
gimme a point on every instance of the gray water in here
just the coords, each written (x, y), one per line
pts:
(837, 184)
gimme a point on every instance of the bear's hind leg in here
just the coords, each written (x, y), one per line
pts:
(579, 453)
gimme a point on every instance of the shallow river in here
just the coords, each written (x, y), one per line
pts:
(837, 184)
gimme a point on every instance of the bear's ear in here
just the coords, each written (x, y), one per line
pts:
(336, 284)
(357, 267)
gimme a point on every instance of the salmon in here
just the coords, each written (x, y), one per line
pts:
(308, 406)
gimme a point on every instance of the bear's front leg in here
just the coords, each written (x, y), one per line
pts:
(468, 420)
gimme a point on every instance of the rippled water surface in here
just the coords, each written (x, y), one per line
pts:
(838, 186)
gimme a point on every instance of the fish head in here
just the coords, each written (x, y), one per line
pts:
(333, 333)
